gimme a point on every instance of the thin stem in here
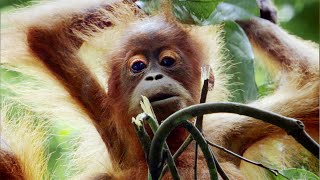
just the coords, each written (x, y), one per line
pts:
(183, 147)
(220, 170)
(154, 125)
(293, 127)
(195, 166)
(203, 99)
(143, 136)
(155, 155)
(199, 121)
(274, 171)
(207, 153)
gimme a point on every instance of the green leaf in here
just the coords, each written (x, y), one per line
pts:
(294, 173)
(231, 10)
(194, 11)
(242, 84)
(8, 77)
(207, 11)
(264, 80)
(4, 3)
(250, 6)
(266, 89)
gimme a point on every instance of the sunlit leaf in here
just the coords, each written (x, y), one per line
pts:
(194, 11)
(137, 121)
(231, 10)
(242, 84)
(293, 173)
(250, 6)
(147, 108)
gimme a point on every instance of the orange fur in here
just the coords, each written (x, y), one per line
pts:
(54, 47)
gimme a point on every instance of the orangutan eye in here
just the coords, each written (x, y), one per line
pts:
(167, 61)
(137, 66)
(169, 58)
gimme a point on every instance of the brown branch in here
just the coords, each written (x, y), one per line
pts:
(273, 171)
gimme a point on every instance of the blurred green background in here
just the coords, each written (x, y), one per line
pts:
(299, 17)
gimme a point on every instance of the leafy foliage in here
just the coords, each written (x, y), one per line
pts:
(194, 11)
(242, 69)
(4, 3)
(294, 173)
(241, 66)
(232, 10)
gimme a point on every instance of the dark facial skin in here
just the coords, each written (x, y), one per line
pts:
(162, 64)
(166, 94)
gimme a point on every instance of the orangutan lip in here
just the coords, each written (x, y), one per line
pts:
(160, 97)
